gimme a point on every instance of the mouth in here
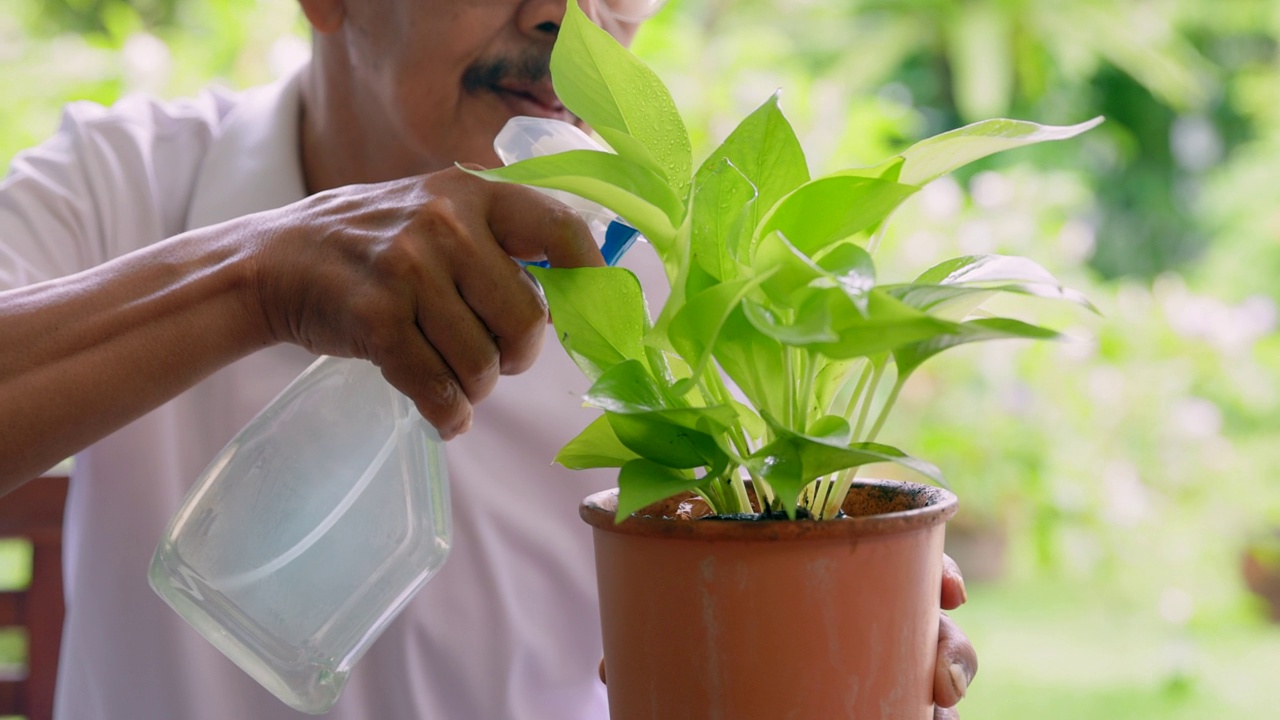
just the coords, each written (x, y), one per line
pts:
(532, 100)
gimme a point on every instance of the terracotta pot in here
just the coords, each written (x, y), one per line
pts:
(738, 620)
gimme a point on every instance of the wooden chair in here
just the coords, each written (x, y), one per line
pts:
(34, 512)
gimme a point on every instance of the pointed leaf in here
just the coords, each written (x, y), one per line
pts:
(831, 428)
(723, 200)
(939, 155)
(652, 436)
(908, 358)
(595, 447)
(696, 327)
(833, 208)
(988, 270)
(844, 265)
(643, 482)
(833, 326)
(621, 98)
(765, 150)
(639, 196)
(754, 361)
(793, 461)
(599, 314)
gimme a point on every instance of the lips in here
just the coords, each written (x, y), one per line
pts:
(538, 100)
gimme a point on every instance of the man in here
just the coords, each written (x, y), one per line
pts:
(169, 267)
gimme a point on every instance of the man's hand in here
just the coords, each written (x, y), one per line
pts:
(957, 660)
(417, 276)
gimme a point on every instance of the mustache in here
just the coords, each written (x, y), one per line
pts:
(526, 69)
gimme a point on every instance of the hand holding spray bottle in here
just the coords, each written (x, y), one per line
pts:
(312, 529)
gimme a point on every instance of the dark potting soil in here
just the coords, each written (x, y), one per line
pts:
(801, 514)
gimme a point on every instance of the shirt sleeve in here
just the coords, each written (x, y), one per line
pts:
(110, 181)
(48, 217)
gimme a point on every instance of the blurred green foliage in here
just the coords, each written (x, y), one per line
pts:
(1128, 466)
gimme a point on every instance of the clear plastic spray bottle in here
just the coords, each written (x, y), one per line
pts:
(315, 525)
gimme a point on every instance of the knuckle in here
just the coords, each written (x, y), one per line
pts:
(481, 376)
(440, 389)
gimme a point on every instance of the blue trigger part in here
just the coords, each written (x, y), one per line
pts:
(618, 238)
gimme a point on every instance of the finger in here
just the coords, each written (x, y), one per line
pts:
(602, 672)
(957, 664)
(941, 713)
(953, 591)
(532, 226)
(465, 344)
(505, 299)
(419, 372)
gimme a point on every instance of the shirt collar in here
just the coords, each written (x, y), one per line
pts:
(254, 163)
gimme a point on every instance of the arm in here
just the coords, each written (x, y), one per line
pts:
(414, 275)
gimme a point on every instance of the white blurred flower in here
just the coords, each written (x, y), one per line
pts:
(148, 63)
(976, 237)
(1077, 239)
(1176, 606)
(942, 199)
(1230, 329)
(991, 189)
(1126, 500)
(1195, 418)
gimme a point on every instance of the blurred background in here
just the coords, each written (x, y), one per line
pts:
(1120, 491)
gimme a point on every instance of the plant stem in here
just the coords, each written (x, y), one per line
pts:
(868, 397)
(840, 488)
(884, 409)
(806, 389)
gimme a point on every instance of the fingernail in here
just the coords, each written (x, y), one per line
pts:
(959, 679)
(964, 594)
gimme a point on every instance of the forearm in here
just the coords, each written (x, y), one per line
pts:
(86, 354)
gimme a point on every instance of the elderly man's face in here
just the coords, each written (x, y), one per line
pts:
(444, 76)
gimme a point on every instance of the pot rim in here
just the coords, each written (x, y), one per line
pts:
(932, 506)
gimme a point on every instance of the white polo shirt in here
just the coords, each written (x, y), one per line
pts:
(507, 630)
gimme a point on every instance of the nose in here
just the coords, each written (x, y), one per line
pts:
(542, 18)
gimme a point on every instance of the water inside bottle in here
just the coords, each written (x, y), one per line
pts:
(310, 531)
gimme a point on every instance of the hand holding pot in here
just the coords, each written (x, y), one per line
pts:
(957, 659)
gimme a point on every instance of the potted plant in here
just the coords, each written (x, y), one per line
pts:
(744, 569)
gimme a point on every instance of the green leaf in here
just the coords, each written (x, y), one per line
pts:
(990, 271)
(621, 98)
(643, 482)
(833, 208)
(845, 265)
(831, 428)
(908, 358)
(646, 423)
(627, 388)
(723, 200)
(754, 361)
(793, 461)
(939, 155)
(595, 447)
(599, 315)
(652, 436)
(765, 150)
(696, 327)
(832, 325)
(812, 325)
(633, 191)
